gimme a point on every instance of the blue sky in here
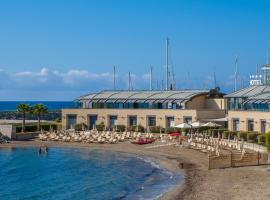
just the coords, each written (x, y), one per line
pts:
(61, 49)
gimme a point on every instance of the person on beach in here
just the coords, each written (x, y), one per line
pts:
(39, 151)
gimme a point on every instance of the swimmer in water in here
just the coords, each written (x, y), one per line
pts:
(39, 151)
(46, 150)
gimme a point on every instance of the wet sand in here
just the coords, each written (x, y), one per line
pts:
(249, 183)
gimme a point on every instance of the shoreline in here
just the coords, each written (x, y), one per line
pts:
(250, 183)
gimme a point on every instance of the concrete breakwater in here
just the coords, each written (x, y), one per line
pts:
(14, 115)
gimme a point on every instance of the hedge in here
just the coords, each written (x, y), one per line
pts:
(261, 139)
(138, 128)
(215, 132)
(33, 128)
(252, 137)
(156, 129)
(80, 127)
(100, 127)
(120, 128)
(242, 135)
(267, 141)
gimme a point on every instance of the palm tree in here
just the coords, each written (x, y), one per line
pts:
(39, 109)
(23, 108)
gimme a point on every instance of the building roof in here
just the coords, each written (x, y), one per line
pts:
(250, 92)
(143, 95)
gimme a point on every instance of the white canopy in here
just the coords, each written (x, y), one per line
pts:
(183, 125)
(197, 124)
(211, 124)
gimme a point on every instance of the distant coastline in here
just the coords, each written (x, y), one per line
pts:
(8, 109)
(51, 105)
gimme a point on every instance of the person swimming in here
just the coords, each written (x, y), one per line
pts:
(46, 150)
(39, 151)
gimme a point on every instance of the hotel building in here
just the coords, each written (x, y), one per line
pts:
(145, 108)
(248, 109)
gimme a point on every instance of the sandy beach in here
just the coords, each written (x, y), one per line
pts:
(249, 183)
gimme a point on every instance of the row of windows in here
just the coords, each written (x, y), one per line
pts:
(238, 104)
(132, 120)
(249, 125)
(133, 105)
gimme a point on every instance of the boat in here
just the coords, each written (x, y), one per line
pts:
(142, 141)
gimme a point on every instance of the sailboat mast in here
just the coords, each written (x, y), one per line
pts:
(151, 77)
(236, 73)
(114, 85)
(129, 81)
(167, 64)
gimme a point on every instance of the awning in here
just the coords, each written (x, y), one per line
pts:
(225, 119)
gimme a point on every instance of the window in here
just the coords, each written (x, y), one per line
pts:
(187, 120)
(151, 121)
(169, 121)
(71, 121)
(113, 121)
(133, 120)
(263, 126)
(92, 121)
(235, 124)
(250, 125)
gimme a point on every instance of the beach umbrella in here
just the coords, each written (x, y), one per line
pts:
(211, 124)
(196, 124)
(183, 125)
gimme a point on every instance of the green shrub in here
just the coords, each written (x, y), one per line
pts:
(120, 128)
(34, 128)
(267, 141)
(138, 128)
(215, 132)
(252, 137)
(100, 127)
(233, 134)
(156, 129)
(80, 127)
(242, 135)
(261, 139)
(225, 134)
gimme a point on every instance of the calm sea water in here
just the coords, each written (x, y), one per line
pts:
(74, 173)
(51, 105)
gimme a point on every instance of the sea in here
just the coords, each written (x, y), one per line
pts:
(51, 105)
(79, 173)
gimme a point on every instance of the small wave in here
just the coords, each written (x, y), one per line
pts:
(150, 161)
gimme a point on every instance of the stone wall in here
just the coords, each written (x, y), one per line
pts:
(26, 136)
(8, 130)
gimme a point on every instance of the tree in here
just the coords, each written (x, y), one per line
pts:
(39, 109)
(23, 109)
(267, 143)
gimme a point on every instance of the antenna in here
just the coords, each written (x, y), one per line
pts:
(236, 73)
(215, 80)
(114, 85)
(151, 76)
(129, 81)
(167, 63)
